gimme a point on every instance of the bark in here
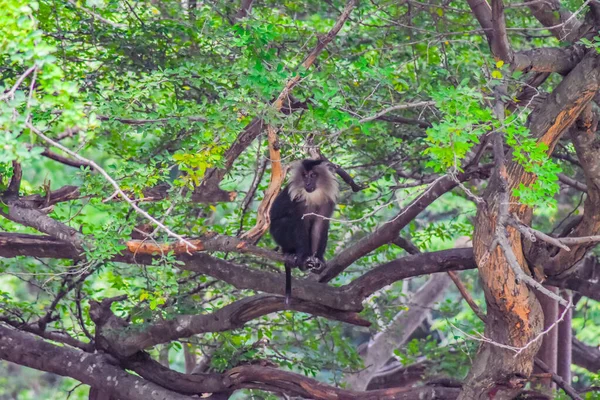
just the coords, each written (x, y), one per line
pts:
(551, 14)
(383, 344)
(514, 315)
(96, 370)
(549, 348)
(565, 342)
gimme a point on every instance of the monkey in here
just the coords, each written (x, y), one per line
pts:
(313, 189)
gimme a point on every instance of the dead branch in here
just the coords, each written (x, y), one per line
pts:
(466, 295)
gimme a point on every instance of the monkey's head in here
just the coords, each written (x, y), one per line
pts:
(313, 181)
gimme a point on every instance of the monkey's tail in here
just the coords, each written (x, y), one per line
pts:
(288, 284)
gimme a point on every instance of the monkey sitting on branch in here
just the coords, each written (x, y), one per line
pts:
(300, 217)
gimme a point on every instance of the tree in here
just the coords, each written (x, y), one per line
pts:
(143, 146)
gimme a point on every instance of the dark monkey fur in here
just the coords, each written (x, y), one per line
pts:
(313, 189)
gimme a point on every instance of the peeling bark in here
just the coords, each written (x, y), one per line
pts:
(514, 315)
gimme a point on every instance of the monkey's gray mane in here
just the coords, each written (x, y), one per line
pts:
(327, 186)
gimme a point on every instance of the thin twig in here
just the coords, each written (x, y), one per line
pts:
(397, 107)
(517, 350)
(533, 234)
(112, 182)
(134, 122)
(12, 90)
(97, 16)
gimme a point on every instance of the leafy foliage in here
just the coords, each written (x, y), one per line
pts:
(157, 92)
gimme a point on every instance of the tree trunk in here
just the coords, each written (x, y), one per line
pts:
(515, 318)
(565, 341)
(549, 348)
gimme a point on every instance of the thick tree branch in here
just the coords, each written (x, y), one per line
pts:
(123, 341)
(483, 12)
(65, 160)
(560, 21)
(101, 371)
(43, 223)
(347, 297)
(96, 370)
(247, 376)
(500, 44)
(586, 356)
(210, 242)
(548, 59)
(263, 220)
(390, 230)
(566, 102)
(567, 180)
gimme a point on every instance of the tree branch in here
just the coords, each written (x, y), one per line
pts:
(112, 182)
(12, 191)
(96, 370)
(559, 381)
(391, 229)
(123, 341)
(560, 21)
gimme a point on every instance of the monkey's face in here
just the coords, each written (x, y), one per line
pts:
(310, 180)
